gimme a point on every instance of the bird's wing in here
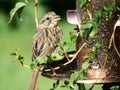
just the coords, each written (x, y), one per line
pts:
(41, 45)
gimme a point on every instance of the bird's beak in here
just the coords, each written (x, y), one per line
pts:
(57, 18)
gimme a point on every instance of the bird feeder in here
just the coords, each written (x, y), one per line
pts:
(108, 55)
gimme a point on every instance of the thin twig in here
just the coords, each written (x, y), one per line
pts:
(36, 75)
(26, 66)
(109, 46)
(36, 12)
(67, 57)
(89, 9)
(75, 54)
(111, 39)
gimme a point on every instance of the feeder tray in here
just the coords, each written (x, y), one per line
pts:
(98, 81)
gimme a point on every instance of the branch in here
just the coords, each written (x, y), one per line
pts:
(89, 9)
(36, 74)
(36, 12)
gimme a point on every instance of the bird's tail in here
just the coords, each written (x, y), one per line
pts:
(35, 78)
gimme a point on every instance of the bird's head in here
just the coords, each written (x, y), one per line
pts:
(50, 19)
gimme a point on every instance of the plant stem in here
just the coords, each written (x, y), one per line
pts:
(26, 66)
(36, 12)
(89, 9)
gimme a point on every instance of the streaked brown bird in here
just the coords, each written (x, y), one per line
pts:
(47, 35)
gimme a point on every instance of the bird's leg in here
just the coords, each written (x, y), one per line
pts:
(53, 70)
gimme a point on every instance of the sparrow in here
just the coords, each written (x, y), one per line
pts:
(48, 33)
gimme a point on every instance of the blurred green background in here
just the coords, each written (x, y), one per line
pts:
(19, 34)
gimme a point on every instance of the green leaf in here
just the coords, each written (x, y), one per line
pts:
(104, 14)
(40, 60)
(107, 11)
(118, 8)
(105, 8)
(66, 82)
(93, 29)
(55, 85)
(73, 79)
(111, 7)
(91, 54)
(65, 46)
(81, 86)
(26, 1)
(99, 43)
(83, 29)
(18, 8)
(56, 57)
(82, 74)
(98, 14)
(89, 25)
(85, 65)
(13, 54)
(83, 3)
(94, 49)
(85, 26)
(115, 87)
(19, 13)
(17, 56)
(20, 57)
(73, 37)
(32, 65)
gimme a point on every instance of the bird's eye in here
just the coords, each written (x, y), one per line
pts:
(47, 18)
